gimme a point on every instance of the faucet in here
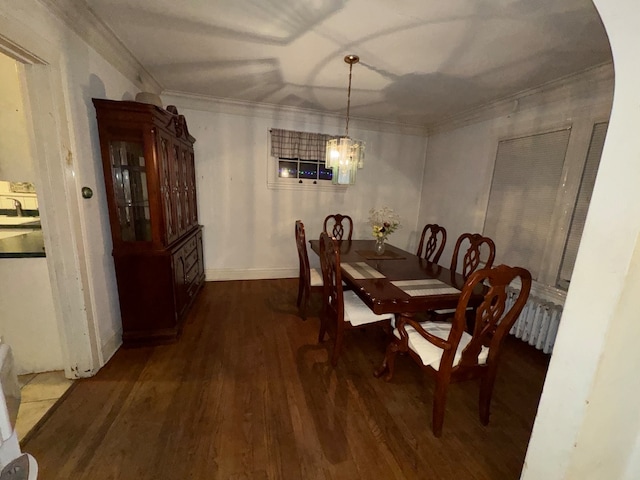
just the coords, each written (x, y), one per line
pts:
(17, 205)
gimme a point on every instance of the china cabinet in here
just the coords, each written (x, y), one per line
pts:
(148, 163)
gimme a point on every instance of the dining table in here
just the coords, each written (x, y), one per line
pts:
(398, 281)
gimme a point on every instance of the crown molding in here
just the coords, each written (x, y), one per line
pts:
(267, 110)
(77, 15)
(583, 84)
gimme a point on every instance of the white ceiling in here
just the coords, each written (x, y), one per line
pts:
(421, 60)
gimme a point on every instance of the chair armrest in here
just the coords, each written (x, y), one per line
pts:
(404, 336)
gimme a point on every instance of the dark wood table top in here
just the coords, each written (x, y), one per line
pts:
(380, 294)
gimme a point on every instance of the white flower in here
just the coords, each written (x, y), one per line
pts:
(384, 221)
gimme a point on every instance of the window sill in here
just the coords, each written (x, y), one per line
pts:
(307, 185)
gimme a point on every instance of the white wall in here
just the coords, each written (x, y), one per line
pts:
(63, 73)
(588, 419)
(15, 152)
(249, 228)
(28, 322)
(461, 156)
(88, 76)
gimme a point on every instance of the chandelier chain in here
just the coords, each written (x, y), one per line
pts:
(349, 98)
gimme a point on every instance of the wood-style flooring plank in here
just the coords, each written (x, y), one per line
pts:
(248, 393)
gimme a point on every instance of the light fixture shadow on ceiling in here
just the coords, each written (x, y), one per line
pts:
(235, 77)
(285, 20)
(479, 58)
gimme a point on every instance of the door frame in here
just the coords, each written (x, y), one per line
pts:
(55, 173)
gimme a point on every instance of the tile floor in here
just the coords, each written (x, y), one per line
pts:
(39, 392)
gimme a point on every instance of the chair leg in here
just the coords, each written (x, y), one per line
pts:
(304, 304)
(389, 362)
(439, 402)
(486, 392)
(337, 346)
(300, 290)
(323, 328)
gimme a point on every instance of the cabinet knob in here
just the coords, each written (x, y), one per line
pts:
(87, 192)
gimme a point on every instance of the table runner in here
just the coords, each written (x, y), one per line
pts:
(360, 270)
(424, 287)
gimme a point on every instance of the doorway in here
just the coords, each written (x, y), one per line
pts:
(66, 275)
(25, 286)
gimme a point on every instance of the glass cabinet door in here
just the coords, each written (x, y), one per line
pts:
(131, 193)
(166, 190)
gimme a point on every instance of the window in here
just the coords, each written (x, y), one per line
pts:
(297, 160)
(525, 184)
(582, 203)
(529, 214)
(303, 169)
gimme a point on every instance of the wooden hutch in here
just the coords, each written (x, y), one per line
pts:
(148, 162)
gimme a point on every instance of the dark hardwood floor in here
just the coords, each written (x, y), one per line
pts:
(248, 393)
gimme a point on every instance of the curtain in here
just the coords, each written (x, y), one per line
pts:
(301, 145)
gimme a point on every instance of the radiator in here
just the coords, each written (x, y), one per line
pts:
(538, 323)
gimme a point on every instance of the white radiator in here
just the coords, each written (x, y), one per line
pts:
(538, 323)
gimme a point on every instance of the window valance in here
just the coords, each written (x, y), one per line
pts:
(301, 145)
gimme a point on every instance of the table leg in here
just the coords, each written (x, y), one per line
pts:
(397, 345)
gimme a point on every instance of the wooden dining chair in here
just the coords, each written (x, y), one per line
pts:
(338, 225)
(342, 309)
(433, 239)
(309, 279)
(448, 353)
(472, 246)
(472, 250)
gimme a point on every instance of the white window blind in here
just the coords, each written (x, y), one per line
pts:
(523, 196)
(582, 202)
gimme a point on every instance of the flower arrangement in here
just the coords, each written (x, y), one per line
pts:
(384, 221)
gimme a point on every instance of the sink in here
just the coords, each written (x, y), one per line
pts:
(7, 220)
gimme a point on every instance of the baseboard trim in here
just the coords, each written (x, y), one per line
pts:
(249, 274)
(111, 346)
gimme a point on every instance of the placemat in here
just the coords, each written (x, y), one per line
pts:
(360, 270)
(424, 287)
(371, 255)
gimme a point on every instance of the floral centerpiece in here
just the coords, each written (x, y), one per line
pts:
(384, 221)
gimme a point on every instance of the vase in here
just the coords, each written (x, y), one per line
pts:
(379, 248)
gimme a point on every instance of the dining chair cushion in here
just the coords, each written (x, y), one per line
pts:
(316, 277)
(429, 353)
(357, 313)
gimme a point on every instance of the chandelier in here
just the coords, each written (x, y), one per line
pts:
(345, 155)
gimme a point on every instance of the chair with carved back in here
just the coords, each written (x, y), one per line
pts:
(471, 245)
(432, 240)
(469, 250)
(342, 309)
(309, 279)
(447, 352)
(338, 226)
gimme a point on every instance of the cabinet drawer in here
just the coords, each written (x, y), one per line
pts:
(191, 259)
(190, 244)
(191, 276)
